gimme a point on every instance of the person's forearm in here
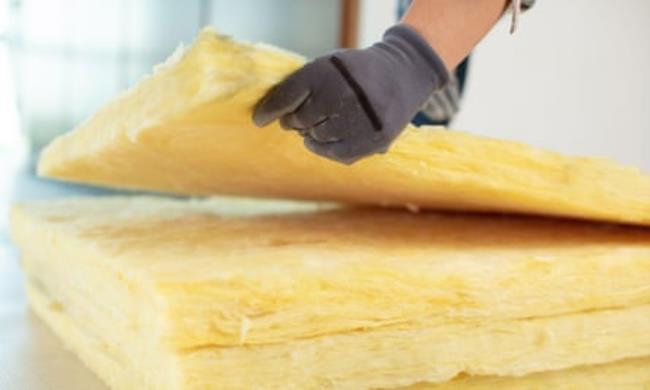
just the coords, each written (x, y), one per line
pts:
(453, 27)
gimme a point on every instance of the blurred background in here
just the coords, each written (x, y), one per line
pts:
(574, 78)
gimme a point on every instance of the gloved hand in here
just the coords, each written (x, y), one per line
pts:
(353, 103)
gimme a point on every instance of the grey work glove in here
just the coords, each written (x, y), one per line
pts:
(350, 104)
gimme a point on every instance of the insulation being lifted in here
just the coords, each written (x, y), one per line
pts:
(187, 130)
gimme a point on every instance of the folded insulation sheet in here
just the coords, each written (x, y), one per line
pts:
(155, 293)
(187, 129)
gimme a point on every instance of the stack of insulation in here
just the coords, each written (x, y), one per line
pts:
(224, 293)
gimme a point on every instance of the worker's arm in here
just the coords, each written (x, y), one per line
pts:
(453, 27)
(353, 103)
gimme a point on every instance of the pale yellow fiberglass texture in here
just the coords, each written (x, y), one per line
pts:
(187, 129)
(168, 294)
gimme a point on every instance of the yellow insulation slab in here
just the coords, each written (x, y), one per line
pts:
(187, 129)
(166, 294)
(631, 374)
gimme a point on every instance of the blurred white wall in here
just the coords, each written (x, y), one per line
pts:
(374, 17)
(575, 77)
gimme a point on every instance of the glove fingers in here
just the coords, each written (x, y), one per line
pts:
(291, 122)
(344, 140)
(337, 151)
(282, 99)
(309, 115)
(322, 131)
(325, 141)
